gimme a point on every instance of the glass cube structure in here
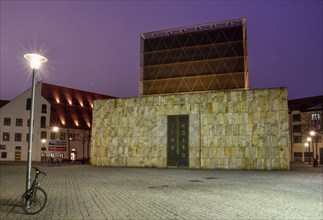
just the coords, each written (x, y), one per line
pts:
(206, 57)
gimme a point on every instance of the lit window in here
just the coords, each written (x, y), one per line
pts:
(62, 136)
(316, 116)
(43, 134)
(72, 136)
(6, 136)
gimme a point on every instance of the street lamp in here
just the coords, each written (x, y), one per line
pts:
(35, 61)
(309, 149)
(313, 133)
(43, 158)
(55, 129)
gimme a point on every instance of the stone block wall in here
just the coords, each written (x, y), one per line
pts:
(227, 130)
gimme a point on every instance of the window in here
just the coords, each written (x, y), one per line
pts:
(18, 148)
(316, 116)
(6, 136)
(7, 121)
(2, 146)
(43, 122)
(52, 135)
(17, 136)
(28, 104)
(27, 137)
(43, 134)
(3, 154)
(298, 156)
(297, 139)
(307, 156)
(62, 136)
(19, 122)
(72, 136)
(297, 128)
(318, 139)
(297, 117)
(43, 108)
(61, 156)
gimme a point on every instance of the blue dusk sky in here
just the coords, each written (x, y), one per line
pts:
(95, 45)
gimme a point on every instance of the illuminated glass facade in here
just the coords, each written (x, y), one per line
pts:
(206, 57)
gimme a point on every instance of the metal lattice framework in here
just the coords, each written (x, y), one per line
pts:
(192, 59)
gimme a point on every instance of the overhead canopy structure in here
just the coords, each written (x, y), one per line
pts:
(198, 58)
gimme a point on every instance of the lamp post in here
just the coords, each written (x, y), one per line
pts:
(35, 60)
(309, 149)
(43, 149)
(55, 129)
(312, 133)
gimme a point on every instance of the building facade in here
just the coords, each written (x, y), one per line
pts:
(208, 57)
(245, 129)
(195, 108)
(305, 115)
(68, 109)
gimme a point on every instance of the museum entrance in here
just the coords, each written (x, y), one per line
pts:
(177, 141)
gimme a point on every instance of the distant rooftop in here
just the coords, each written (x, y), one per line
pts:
(306, 104)
(70, 107)
(3, 102)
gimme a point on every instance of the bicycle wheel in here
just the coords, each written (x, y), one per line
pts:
(32, 205)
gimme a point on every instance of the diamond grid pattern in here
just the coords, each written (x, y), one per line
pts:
(196, 61)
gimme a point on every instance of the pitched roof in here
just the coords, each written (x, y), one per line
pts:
(70, 107)
(3, 102)
(306, 104)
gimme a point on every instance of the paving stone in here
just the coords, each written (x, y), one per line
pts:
(89, 192)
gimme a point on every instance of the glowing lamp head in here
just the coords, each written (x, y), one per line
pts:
(312, 133)
(35, 60)
(308, 139)
(306, 144)
(43, 141)
(55, 129)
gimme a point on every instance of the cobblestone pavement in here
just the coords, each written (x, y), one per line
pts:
(88, 192)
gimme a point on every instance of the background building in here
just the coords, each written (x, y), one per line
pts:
(305, 115)
(208, 57)
(68, 109)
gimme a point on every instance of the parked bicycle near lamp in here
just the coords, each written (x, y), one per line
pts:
(35, 198)
(54, 160)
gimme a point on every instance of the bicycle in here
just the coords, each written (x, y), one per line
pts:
(54, 160)
(35, 198)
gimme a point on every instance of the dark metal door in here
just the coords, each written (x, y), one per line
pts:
(321, 155)
(177, 143)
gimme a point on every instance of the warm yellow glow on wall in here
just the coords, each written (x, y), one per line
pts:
(76, 123)
(57, 100)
